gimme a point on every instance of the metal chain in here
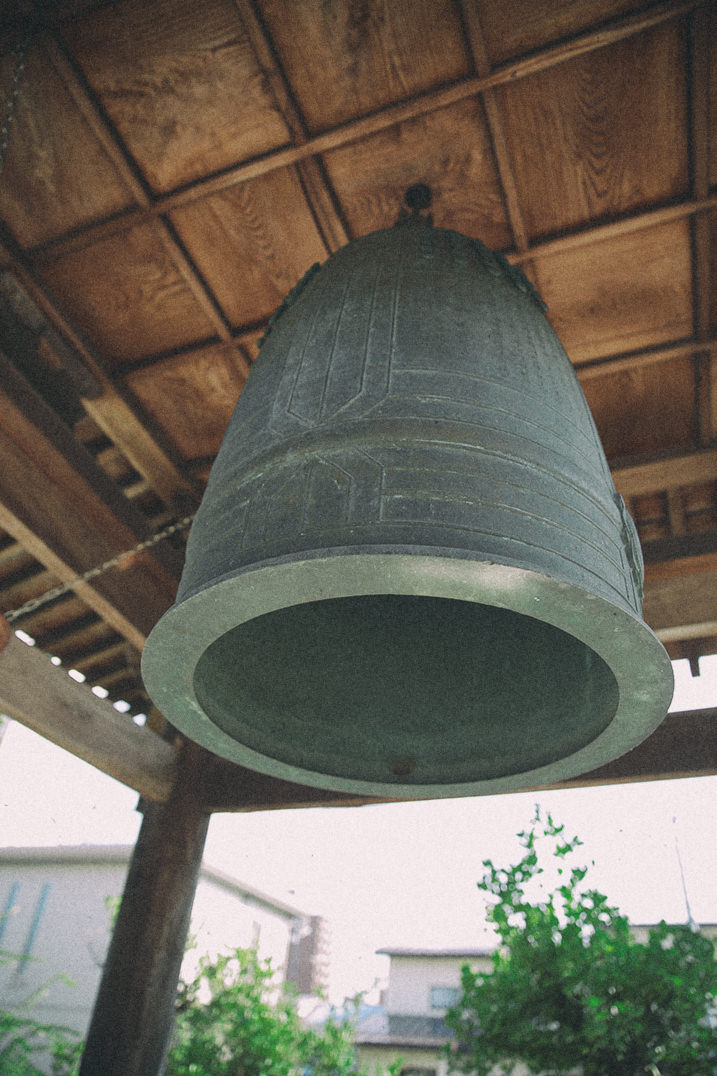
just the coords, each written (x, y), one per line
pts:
(92, 573)
(13, 95)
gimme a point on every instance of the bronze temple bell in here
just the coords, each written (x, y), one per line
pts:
(411, 574)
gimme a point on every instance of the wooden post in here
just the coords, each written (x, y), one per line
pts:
(134, 1010)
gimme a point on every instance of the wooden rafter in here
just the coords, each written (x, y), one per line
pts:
(477, 45)
(109, 407)
(76, 518)
(634, 360)
(320, 197)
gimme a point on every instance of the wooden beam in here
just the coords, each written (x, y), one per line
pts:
(43, 697)
(352, 131)
(226, 786)
(684, 745)
(668, 472)
(132, 1022)
(634, 360)
(597, 233)
(64, 510)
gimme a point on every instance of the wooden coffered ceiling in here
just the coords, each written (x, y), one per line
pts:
(174, 167)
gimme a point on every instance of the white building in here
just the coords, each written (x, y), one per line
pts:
(56, 911)
(422, 984)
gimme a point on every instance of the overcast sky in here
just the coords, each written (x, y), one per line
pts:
(399, 874)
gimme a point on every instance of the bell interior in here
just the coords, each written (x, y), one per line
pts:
(416, 690)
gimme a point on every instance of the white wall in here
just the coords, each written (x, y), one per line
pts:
(411, 979)
(67, 905)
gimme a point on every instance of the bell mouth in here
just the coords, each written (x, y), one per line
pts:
(395, 687)
(457, 678)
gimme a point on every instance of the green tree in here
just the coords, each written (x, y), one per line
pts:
(232, 1019)
(571, 989)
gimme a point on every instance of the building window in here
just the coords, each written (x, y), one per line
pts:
(444, 997)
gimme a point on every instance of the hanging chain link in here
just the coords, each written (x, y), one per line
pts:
(13, 95)
(92, 573)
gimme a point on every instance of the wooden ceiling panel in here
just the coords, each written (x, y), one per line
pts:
(181, 84)
(362, 57)
(370, 177)
(621, 294)
(601, 135)
(57, 176)
(128, 295)
(513, 27)
(644, 411)
(191, 397)
(252, 243)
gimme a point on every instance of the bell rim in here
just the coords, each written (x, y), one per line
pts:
(631, 650)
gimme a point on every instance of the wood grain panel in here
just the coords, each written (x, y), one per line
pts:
(252, 243)
(191, 397)
(56, 176)
(513, 27)
(713, 266)
(128, 295)
(601, 135)
(181, 83)
(348, 58)
(371, 176)
(644, 411)
(713, 93)
(621, 294)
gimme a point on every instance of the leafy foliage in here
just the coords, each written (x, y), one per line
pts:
(26, 1043)
(232, 1019)
(572, 990)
